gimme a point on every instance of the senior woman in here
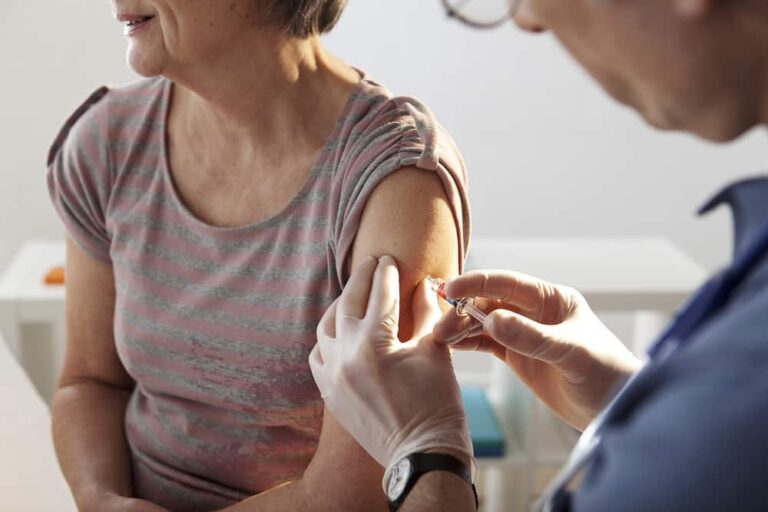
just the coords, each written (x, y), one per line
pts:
(214, 211)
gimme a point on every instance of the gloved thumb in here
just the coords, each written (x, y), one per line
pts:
(426, 312)
(525, 336)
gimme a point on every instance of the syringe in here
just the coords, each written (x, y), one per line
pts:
(463, 307)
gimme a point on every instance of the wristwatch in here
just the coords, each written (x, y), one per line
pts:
(404, 474)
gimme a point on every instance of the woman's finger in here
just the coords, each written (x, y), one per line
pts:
(354, 298)
(521, 291)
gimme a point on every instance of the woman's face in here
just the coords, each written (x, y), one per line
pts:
(165, 36)
(679, 70)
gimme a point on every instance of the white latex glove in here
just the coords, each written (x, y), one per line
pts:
(394, 398)
(547, 334)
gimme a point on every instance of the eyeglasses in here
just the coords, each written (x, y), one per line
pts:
(482, 13)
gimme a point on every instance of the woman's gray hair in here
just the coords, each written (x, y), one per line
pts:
(303, 18)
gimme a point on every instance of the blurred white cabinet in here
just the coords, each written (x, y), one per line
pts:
(32, 313)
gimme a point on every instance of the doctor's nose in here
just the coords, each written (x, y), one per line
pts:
(527, 20)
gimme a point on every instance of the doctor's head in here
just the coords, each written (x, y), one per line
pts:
(694, 65)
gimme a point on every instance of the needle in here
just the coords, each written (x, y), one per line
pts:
(463, 306)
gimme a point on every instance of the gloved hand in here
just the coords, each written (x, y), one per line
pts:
(547, 334)
(394, 398)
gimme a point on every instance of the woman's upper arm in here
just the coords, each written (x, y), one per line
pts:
(91, 354)
(409, 218)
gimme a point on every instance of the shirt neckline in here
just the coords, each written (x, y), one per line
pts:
(315, 170)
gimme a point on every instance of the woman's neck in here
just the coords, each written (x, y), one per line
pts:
(274, 89)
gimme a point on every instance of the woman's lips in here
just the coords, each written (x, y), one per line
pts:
(134, 22)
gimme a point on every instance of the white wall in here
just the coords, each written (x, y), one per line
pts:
(545, 148)
(53, 54)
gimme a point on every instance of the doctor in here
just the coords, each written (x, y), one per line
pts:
(687, 431)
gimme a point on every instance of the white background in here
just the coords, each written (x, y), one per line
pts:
(548, 154)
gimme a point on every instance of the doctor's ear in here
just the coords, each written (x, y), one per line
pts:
(693, 8)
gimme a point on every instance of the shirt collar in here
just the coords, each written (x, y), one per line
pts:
(748, 200)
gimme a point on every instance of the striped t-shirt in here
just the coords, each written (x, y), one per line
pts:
(215, 324)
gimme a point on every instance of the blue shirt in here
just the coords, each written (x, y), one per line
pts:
(692, 432)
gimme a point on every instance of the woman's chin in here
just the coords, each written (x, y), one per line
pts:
(142, 64)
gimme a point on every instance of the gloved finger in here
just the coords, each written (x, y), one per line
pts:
(326, 337)
(526, 337)
(474, 344)
(354, 298)
(384, 300)
(523, 292)
(453, 327)
(481, 343)
(319, 370)
(425, 309)
(330, 351)
(316, 357)
(326, 346)
(477, 329)
(326, 328)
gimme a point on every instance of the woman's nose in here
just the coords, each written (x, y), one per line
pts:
(527, 20)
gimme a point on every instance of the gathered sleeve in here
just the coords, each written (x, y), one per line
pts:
(79, 178)
(398, 133)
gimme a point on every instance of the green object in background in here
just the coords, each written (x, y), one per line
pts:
(487, 436)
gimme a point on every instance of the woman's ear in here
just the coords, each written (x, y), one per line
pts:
(692, 9)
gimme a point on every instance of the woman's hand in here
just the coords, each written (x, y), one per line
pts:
(547, 334)
(394, 398)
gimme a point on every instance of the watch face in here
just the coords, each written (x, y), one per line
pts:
(398, 479)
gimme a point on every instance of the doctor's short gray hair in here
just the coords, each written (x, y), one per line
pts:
(303, 18)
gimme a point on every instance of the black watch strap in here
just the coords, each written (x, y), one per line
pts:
(424, 463)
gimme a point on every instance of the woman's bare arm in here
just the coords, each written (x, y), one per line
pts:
(89, 405)
(341, 476)
(407, 217)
